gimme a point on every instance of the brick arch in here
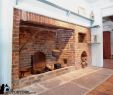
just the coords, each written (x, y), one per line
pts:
(41, 57)
(38, 61)
(84, 54)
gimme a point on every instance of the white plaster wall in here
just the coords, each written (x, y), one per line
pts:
(106, 6)
(107, 11)
(73, 5)
(0, 44)
(101, 9)
(97, 49)
(41, 8)
(6, 19)
(108, 26)
(102, 3)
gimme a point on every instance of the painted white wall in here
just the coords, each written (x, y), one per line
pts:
(44, 9)
(73, 5)
(108, 26)
(107, 11)
(97, 49)
(106, 6)
(0, 45)
(6, 20)
(101, 9)
(101, 3)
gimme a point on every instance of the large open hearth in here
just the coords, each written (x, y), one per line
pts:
(44, 47)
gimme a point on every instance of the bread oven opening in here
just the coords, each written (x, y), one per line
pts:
(84, 59)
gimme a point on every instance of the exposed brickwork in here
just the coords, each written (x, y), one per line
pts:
(44, 76)
(67, 42)
(80, 47)
(15, 53)
(42, 41)
(45, 41)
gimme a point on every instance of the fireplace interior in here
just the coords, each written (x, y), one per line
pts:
(44, 48)
(38, 63)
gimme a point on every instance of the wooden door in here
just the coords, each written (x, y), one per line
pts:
(106, 45)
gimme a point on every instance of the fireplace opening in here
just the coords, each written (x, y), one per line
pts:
(38, 63)
(84, 59)
(43, 48)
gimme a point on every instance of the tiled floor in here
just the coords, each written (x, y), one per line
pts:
(79, 82)
(106, 88)
(108, 63)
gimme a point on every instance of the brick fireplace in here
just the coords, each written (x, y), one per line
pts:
(42, 44)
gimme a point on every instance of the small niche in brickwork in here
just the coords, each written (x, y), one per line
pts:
(82, 37)
(84, 59)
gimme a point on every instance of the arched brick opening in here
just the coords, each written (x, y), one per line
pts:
(84, 59)
(38, 62)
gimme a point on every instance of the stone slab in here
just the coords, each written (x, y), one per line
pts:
(67, 89)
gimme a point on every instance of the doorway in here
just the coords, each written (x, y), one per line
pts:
(106, 45)
(107, 42)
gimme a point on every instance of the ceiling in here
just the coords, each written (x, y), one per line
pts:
(96, 1)
(91, 1)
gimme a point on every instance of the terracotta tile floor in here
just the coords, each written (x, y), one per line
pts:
(78, 82)
(108, 63)
(106, 88)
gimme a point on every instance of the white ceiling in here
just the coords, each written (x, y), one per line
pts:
(91, 1)
(96, 1)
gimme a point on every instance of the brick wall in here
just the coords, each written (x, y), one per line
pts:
(42, 41)
(45, 41)
(80, 47)
(68, 42)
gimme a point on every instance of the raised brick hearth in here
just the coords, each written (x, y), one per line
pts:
(36, 35)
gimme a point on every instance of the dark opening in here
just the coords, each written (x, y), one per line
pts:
(84, 54)
(57, 66)
(38, 62)
(81, 37)
(65, 61)
(84, 59)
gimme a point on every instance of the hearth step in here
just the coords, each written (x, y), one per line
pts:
(44, 76)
